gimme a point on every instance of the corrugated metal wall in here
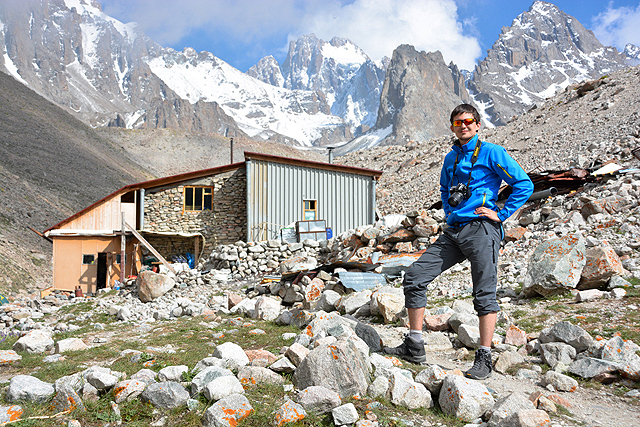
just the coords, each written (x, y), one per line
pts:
(275, 194)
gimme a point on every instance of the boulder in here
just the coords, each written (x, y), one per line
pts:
(10, 413)
(298, 263)
(602, 263)
(29, 389)
(319, 399)
(70, 344)
(222, 387)
(432, 378)
(555, 266)
(328, 301)
(568, 333)
(589, 367)
(66, 399)
(251, 375)
(152, 285)
(172, 373)
(508, 405)
(128, 390)
(227, 412)
(340, 367)
(527, 418)
(390, 306)
(345, 415)
(34, 342)
(205, 376)
(464, 398)
(559, 381)
(165, 395)
(557, 352)
(408, 393)
(289, 412)
(267, 308)
(233, 355)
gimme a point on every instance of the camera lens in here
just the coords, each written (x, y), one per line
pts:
(455, 199)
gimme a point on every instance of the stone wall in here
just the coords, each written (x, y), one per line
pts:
(226, 223)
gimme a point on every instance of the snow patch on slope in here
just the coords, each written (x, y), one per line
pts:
(346, 54)
(259, 108)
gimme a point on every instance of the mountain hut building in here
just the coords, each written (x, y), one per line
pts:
(264, 197)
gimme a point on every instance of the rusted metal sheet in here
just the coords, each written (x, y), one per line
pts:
(392, 265)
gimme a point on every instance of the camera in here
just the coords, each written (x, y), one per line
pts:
(457, 194)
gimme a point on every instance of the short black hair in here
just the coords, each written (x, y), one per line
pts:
(465, 108)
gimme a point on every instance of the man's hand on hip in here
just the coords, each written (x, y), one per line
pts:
(487, 213)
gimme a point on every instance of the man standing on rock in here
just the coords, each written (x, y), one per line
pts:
(469, 182)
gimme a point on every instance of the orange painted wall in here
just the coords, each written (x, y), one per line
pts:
(69, 271)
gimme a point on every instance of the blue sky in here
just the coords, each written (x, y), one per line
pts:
(241, 32)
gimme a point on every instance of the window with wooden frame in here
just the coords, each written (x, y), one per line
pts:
(198, 198)
(310, 210)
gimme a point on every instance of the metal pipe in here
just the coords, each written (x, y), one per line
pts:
(551, 191)
(231, 142)
(141, 208)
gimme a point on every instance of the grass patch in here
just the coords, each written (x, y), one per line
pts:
(533, 323)
(558, 308)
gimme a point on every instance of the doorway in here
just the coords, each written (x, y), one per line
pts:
(101, 279)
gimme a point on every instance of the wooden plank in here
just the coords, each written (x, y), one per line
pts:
(123, 252)
(151, 248)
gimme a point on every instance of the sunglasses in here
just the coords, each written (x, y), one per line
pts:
(458, 123)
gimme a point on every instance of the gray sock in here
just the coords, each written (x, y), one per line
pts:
(416, 335)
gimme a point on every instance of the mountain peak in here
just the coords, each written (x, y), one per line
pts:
(542, 52)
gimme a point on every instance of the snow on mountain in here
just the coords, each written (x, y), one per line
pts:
(543, 51)
(633, 53)
(348, 78)
(259, 108)
(369, 140)
(344, 52)
(128, 31)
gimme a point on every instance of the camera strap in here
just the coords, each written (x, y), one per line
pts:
(474, 159)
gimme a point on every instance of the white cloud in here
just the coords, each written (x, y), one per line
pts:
(618, 26)
(168, 21)
(379, 26)
(376, 26)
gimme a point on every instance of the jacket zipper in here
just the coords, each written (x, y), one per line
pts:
(504, 170)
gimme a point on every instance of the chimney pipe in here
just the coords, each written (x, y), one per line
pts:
(231, 149)
(331, 153)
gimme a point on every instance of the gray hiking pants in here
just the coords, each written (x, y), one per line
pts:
(477, 241)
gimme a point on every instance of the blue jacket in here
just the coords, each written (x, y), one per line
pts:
(493, 166)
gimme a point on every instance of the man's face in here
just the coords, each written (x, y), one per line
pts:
(465, 131)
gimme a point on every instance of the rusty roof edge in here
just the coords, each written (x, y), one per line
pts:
(153, 183)
(311, 163)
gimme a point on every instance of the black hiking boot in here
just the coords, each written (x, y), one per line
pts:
(410, 350)
(481, 368)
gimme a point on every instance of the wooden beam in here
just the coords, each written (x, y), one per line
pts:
(151, 248)
(123, 253)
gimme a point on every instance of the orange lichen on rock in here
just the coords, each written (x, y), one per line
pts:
(233, 415)
(14, 412)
